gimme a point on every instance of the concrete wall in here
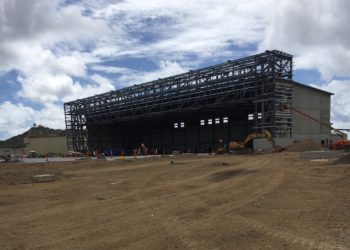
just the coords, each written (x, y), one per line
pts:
(264, 145)
(313, 102)
(316, 104)
(45, 145)
(12, 151)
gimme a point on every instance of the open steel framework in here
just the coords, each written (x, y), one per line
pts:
(263, 80)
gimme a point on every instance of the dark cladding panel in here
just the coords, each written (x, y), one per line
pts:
(128, 134)
(180, 139)
(92, 134)
(238, 130)
(156, 138)
(206, 135)
(193, 136)
(117, 136)
(191, 133)
(168, 138)
(221, 132)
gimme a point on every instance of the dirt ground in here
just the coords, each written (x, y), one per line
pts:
(270, 201)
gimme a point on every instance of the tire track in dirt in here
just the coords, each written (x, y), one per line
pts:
(286, 236)
(275, 180)
(268, 186)
(156, 202)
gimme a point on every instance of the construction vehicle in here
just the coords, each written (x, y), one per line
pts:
(343, 143)
(4, 158)
(234, 146)
(8, 159)
(340, 145)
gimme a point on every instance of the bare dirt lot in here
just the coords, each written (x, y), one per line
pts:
(271, 201)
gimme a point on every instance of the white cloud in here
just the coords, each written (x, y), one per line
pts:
(186, 27)
(175, 29)
(166, 68)
(129, 76)
(111, 69)
(14, 119)
(43, 22)
(30, 60)
(18, 118)
(48, 88)
(340, 113)
(99, 85)
(47, 45)
(314, 31)
(51, 115)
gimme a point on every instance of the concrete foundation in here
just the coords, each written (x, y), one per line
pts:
(44, 178)
(329, 154)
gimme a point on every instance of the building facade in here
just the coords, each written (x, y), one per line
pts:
(46, 145)
(194, 111)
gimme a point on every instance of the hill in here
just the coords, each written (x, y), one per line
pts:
(40, 131)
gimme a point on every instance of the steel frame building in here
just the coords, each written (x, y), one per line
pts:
(254, 86)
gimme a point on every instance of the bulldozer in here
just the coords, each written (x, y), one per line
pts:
(235, 146)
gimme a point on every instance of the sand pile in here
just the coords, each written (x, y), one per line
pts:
(344, 159)
(304, 145)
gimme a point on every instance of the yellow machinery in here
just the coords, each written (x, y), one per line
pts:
(262, 134)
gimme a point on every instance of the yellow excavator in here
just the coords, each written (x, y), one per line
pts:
(234, 146)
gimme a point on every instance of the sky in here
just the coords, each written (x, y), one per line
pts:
(56, 51)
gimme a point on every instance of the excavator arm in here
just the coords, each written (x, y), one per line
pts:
(262, 134)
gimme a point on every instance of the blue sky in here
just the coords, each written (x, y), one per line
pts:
(56, 51)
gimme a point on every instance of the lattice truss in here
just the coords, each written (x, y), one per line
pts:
(263, 80)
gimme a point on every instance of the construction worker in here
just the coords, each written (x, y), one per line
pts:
(221, 147)
(144, 149)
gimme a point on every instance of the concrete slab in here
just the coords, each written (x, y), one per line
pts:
(44, 178)
(327, 154)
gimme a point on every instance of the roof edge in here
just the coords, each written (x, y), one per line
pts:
(306, 86)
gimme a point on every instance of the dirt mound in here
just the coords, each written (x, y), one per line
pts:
(304, 145)
(344, 159)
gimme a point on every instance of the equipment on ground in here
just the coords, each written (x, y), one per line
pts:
(234, 146)
(5, 158)
(340, 145)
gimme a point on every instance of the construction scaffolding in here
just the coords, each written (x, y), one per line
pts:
(263, 80)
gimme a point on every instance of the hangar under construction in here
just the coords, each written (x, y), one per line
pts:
(191, 112)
